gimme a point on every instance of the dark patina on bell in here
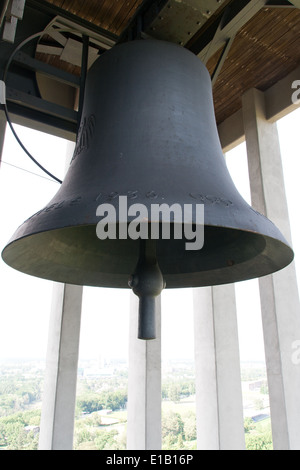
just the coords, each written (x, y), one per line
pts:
(148, 133)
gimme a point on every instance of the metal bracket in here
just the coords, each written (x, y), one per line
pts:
(14, 12)
(216, 37)
(2, 92)
(144, 16)
(218, 34)
(178, 21)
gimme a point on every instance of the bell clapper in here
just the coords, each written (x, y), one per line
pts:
(147, 283)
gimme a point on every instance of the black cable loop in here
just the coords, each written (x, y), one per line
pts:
(30, 38)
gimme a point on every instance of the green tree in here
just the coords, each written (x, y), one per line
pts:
(259, 441)
(179, 444)
(103, 439)
(248, 424)
(106, 440)
(115, 400)
(13, 434)
(82, 435)
(264, 389)
(172, 426)
(190, 430)
(174, 392)
(89, 402)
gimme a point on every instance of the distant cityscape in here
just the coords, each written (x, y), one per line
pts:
(101, 404)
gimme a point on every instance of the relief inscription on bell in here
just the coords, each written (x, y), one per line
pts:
(85, 134)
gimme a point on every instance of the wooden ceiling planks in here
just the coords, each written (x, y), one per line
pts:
(113, 16)
(265, 50)
(123, 15)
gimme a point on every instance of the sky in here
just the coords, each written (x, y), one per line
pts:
(25, 301)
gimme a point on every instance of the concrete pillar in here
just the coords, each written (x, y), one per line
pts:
(278, 292)
(144, 385)
(219, 406)
(58, 409)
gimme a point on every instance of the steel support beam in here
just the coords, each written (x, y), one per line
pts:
(30, 63)
(282, 4)
(238, 13)
(222, 59)
(33, 102)
(296, 3)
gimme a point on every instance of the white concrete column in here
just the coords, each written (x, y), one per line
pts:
(144, 385)
(219, 406)
(278, 292)
(58, 409)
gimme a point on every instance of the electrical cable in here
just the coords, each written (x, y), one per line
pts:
(27, 171)
(25, 150)
(34, 36)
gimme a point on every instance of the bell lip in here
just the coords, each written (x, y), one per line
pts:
(15, 237)
(180, 280)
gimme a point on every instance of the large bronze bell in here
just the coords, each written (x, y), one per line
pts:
(148, 133)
